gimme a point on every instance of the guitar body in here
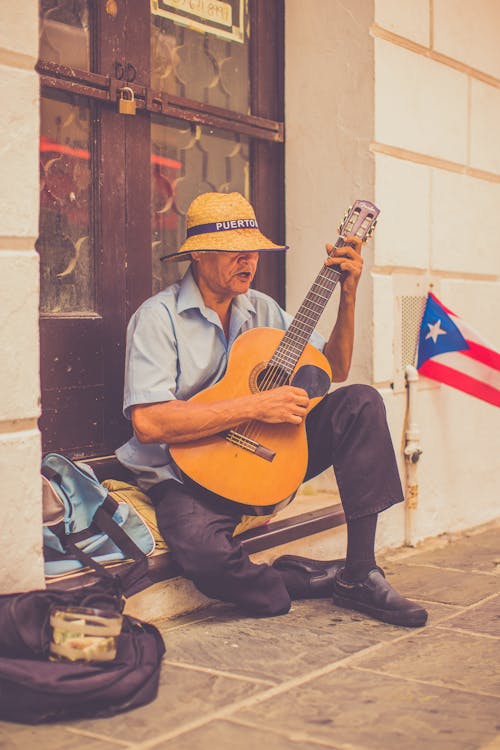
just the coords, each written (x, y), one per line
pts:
(268, 475)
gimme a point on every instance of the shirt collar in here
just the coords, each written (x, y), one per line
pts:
(189, 296)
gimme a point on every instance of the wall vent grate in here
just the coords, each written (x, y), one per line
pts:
(412, 311)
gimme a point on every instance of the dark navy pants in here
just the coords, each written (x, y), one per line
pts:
(347, 430)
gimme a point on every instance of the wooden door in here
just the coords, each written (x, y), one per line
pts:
(114, 187)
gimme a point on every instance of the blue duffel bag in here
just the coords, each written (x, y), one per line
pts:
(83, 525)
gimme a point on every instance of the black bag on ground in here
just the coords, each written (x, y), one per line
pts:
(34, 689)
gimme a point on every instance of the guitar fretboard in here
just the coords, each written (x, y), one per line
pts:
(359, 220)
(298, 334)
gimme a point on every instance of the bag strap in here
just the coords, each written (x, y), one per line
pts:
(87, 560)
(110, 505)
(103, 520)
(106, 523)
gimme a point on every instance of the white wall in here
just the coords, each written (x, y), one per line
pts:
(437, 116)
(328, 120)
(401, 102)
(20, 501)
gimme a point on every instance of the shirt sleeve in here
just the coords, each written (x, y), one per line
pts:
(151, 358)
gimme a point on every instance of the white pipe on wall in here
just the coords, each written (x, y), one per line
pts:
(412, 453)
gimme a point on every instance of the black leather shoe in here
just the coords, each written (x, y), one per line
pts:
(375, 596)
(315, 576)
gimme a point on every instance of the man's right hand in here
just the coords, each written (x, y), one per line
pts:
(180, 421)
(284, 404)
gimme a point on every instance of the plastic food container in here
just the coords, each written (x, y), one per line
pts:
(81, 633)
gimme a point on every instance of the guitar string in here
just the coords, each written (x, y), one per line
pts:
(278, 374)
(290, 350)
(277, 370)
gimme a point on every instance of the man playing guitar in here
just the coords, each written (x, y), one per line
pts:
(178, 344)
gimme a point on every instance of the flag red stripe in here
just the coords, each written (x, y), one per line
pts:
(459, 380)
(482, 354)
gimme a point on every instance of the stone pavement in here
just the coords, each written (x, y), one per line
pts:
(323, 677)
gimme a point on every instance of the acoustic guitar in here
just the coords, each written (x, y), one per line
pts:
(257, 464)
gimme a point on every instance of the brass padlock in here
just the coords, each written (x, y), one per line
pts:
(126, 106)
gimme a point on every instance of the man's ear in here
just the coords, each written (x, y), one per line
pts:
(195, 256)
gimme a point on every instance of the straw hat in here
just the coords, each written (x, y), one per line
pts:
(222, 222)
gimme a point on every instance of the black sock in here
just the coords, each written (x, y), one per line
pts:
(360, 548)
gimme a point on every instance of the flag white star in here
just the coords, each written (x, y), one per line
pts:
(435, 330)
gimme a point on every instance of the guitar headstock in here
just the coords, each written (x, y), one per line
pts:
(359, 220)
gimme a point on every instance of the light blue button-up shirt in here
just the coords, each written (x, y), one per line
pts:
(176, 347)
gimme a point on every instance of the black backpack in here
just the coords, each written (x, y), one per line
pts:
(34, 689)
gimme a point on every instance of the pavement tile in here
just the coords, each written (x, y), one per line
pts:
(447, 658)
(313, 634)
(438, 611)
(226, 735)
(440, 584)
(184, 695)
(378, 712)
(485, 618)
(48, 737)
(471, 551)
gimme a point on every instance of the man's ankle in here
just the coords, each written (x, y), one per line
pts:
(357, 571)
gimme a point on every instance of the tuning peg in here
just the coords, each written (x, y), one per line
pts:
(371, 230)
(344, 219)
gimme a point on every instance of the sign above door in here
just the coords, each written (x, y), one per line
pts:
(222, 18)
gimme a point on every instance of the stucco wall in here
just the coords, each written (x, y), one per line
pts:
(329, 124)
(20, 502)
(400, 103)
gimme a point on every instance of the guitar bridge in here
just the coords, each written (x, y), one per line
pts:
(242, 441)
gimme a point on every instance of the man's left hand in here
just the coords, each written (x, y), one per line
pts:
(348, 260)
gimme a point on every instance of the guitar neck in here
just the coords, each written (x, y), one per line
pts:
(298, 334)
(360, 220)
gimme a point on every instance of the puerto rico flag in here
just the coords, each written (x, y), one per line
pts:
(451, 352)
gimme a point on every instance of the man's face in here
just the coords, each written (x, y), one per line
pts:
(225, 274)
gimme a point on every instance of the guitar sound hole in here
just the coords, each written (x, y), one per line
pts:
(272, 376)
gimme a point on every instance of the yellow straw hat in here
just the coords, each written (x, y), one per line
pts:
(222, 222)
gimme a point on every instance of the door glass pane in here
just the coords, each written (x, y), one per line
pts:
(187, 160)
(64, 32)
(64, 242)
(207, 62)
